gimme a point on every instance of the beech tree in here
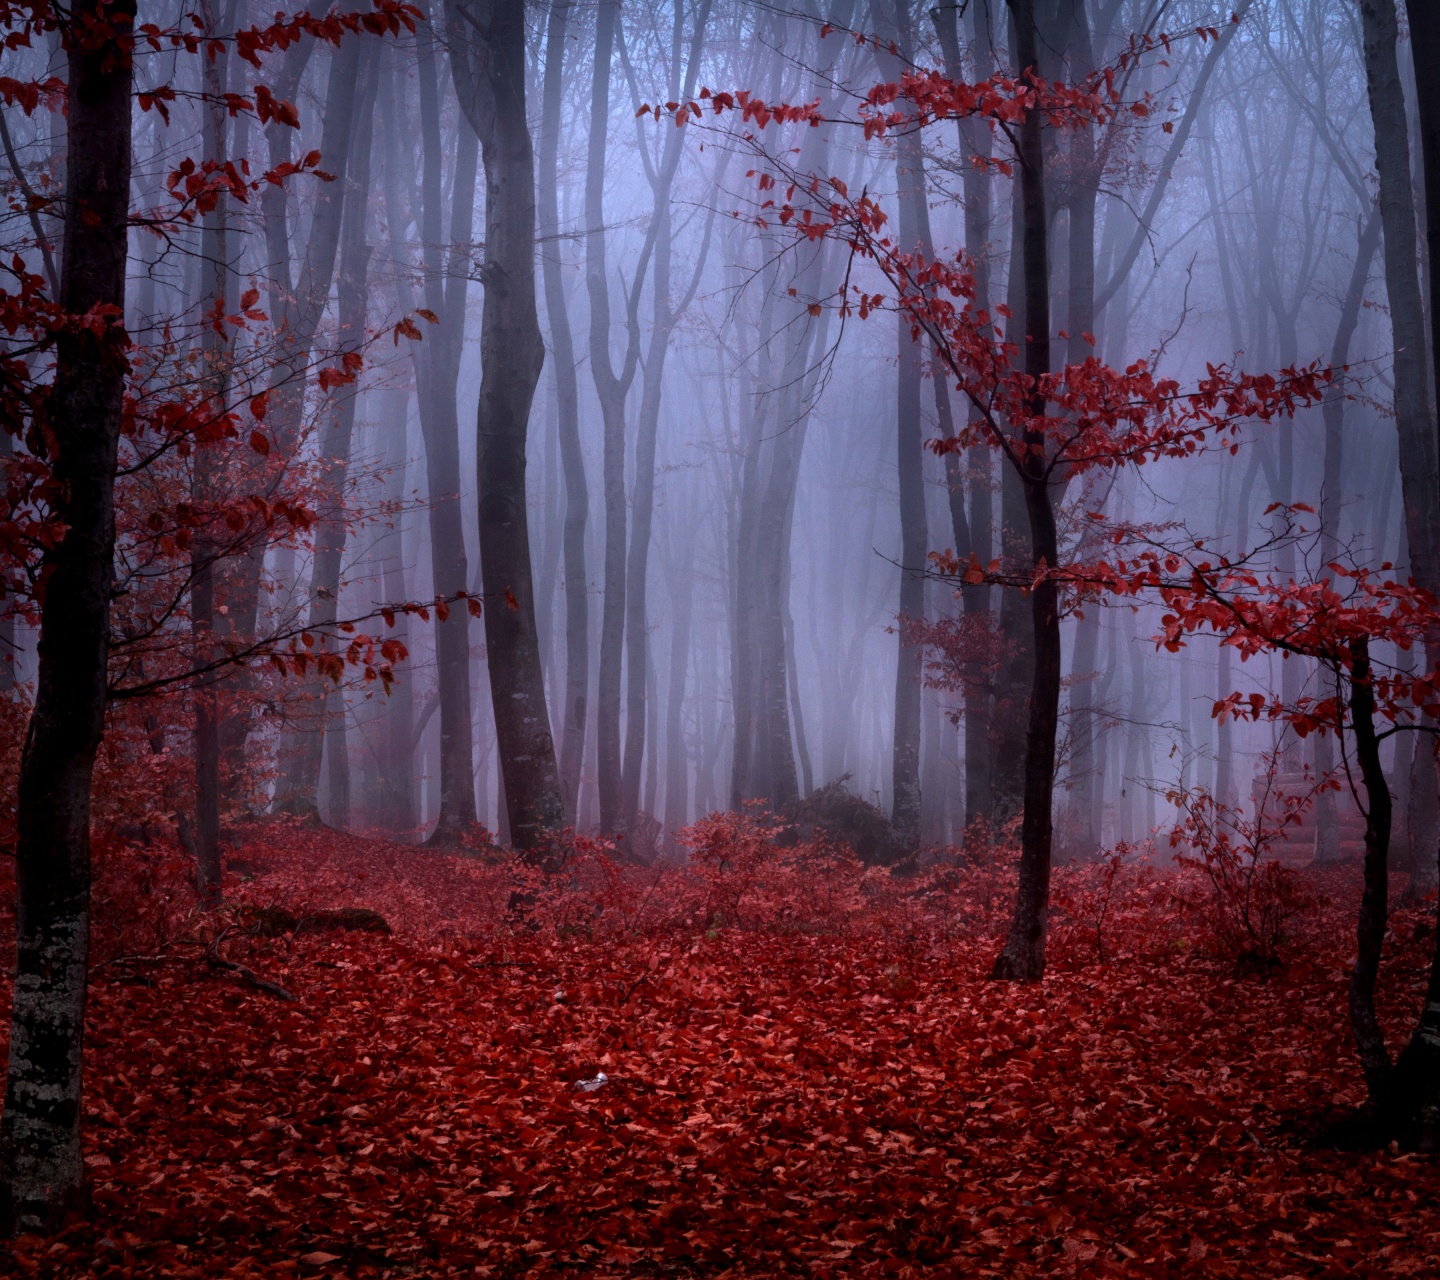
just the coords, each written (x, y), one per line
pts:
(41, 1173)
(487, 46)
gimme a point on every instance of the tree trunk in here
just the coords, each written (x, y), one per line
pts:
(216, 348)
(612, 391)
(677, 763)
(1374, 902)
(975, 141)
(910, 663)
(1015, 676)
(324, 728)
(764, 752)
(296, 308)
(1416, 428)
(437, 369)
(1425, 51)
(398, 752)
(41, 1172)
(567, 394)
(1023, 957)
(1412, 1101)
(490, 83)
(1327, 843)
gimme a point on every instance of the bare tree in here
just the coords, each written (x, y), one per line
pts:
(487, 54)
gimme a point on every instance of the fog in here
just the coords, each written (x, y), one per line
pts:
(729, 497)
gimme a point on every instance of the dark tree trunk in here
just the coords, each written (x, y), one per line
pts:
(41, 1172)
(1425, 51)
(438, 368)
(567, 394)
(1413, 421)
(1023, 957)
(1411, 1105)
(490, 83)
(214, 343)
(1374, 901)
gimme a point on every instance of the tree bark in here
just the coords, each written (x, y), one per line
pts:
(296, 308)
(567, 394)
(677, 763)
(666, 316)
(1374, 902)
(612, 390)
(1327, 843)
(909, 668)
(1023, 958)
(976, 140)
(490, 83)
(41, 1171)
(437, 367)
(1412, 1093)
(324, 727)
(216, 347)
(1425, 52)
(1413, 421)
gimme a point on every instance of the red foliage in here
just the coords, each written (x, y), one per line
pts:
(789, 1097)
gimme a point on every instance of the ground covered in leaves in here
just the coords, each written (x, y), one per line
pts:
(828, 1089)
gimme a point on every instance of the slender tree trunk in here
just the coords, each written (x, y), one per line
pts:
(1425, 51)
(677, 762)
(572, 461)
(490, 83)
(214, 342)
(612, 392)
(296, 308)
(1413, 421)
(1327, 844)
(797, 711)
(324, 729)
(9, 644)
(41, 1171)
(1015, 677)
(437, 369)
(398, 751)
(975, 141)
(909, 667)
(1412, 1098)
(1374, 902)
(666, 316)
(1023, 957)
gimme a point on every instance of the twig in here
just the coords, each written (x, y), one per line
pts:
(217, 961)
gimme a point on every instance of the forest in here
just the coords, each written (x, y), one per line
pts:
(710, 638)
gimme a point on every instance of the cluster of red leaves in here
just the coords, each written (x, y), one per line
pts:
(777, 1101)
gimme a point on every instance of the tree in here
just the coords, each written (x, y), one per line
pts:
(1102, 419)
(487, 44)
(574, 709)
(437, 368)
(41, 1172)
(612, 389)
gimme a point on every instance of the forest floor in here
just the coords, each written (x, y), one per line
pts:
(782, 1097)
